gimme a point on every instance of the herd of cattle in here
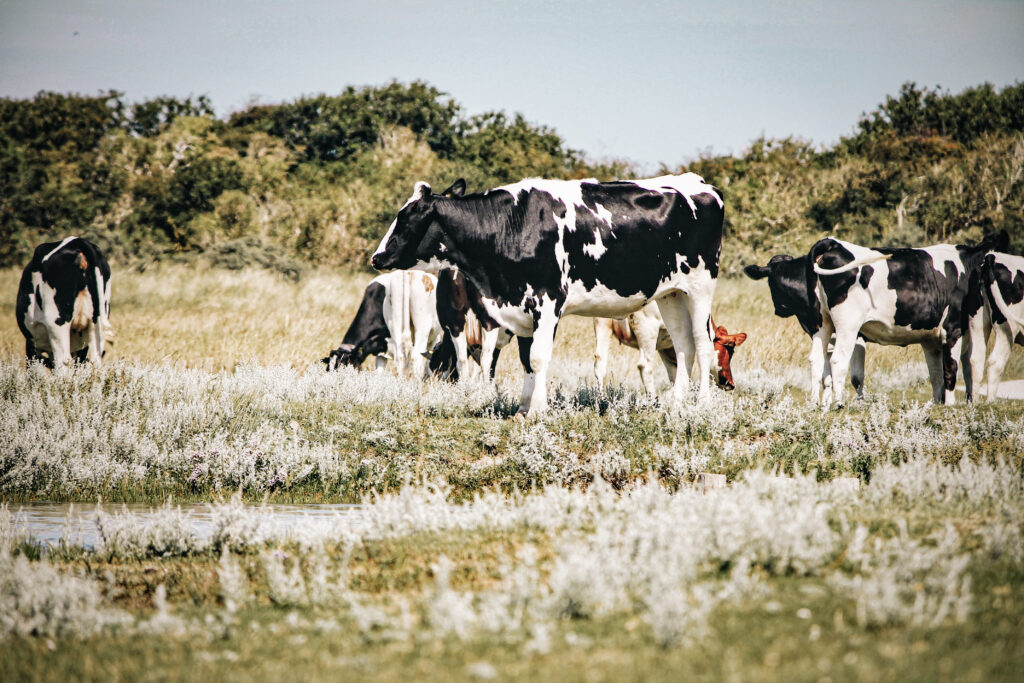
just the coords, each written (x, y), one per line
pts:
(463, 274)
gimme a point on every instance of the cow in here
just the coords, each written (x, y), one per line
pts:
(644, 330)
(899, 296)
(792, 296)
(63, 304)
(1002, 282)
(540, 249)
(367, 335)
(396, 319)
(464, 334)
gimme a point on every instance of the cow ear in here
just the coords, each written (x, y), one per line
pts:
(457, 189)
(755, 272)
(1002, 241)
(740, 338)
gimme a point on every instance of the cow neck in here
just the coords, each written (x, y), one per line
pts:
(466, 223)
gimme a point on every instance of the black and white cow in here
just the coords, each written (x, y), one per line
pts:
(367, 335)
(899, 296)
(396, 318)
(792, 296)
(540, 249)
(63, 305)
(465, 334)
(1002, 281)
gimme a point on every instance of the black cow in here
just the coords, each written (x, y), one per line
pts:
(465, 334)
(63, 304)
(792, 297)
(540, 249)
(900, 296)
(367, 335)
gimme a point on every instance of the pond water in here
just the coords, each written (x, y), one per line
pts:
(76, 522)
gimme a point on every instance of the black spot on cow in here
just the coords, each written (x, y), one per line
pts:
(829, 254)
(865, 276)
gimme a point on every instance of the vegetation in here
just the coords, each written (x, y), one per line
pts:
(882, 540)
(580, 545)
(318, 180)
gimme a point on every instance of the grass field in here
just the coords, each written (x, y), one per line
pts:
(578, 546)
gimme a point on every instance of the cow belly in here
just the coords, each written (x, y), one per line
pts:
(601, 302)
(881, 333)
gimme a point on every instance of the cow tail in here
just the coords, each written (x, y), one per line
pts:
(852, 265)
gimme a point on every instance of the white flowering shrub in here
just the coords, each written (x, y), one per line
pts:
(39, 600)
(905, 580)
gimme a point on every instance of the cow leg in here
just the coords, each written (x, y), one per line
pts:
(602, 346)
(540, 357)
(381, 363)
(462, 366)
(972, 357)
(703, 338)
(645, 331)
(950, 365)
(846, 341)
(933, 359)
(673, 312)
(668, 358)
(1001, 349)
(857, 367)
(488, 352)
(819, 361)
(525, 344)
(32, 354)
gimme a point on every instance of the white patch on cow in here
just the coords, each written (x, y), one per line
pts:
(59, 247)
(418, 191)
(941, 253)
(600, 301)
(597, 249)
(387, 237)
(687, 184)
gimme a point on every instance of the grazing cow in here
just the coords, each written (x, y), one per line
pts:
(397, 317)
(540, 249)
(63, 305)
(792, 295)
(644, 330)
(464, 334)
(1002, 282)
(367, 335)
(899, 296)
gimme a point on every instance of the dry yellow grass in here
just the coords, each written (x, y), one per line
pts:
(214, 319)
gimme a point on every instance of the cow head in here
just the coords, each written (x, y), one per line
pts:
(414, 239)
(789, 287)
(346, 354)
(443, 362)
(725, 345)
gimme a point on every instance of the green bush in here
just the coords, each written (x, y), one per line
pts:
(321, 178)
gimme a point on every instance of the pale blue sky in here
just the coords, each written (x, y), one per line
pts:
(650, 82)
